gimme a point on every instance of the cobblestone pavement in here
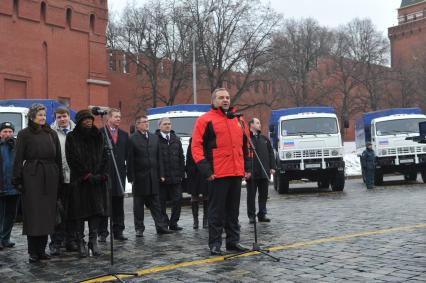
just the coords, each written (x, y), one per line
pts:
(320, 236)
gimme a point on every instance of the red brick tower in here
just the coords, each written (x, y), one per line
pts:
(54, 49)
(408, 38)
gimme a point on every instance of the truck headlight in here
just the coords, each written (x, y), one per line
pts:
(412, 149)
(334, 152)
(288, 155)
(383, 152)
(424, 149)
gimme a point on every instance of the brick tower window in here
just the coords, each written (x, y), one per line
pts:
(16, 7)
(43, 12)
(69, 17)
(92, 23)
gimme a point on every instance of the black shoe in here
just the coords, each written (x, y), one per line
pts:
(175, 228)
(251, 220)
(8, 244)
(102, 238)
(33, 258)
(215, 251)
(263, 219)
(164, 231)
(139, 233)
(54, 250)
(120, 237)
(44, 256)
(71, 246)
(236, 248)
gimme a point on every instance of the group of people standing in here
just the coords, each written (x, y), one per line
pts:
(64, 176)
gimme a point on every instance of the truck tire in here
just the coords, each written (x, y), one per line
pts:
(423, 173)
(378, 178)
(275, 181)
(410, 176)
(338, 183)
(283, 184)
(323, 184)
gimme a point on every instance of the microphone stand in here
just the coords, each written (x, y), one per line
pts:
(256, 246)
(111, 157)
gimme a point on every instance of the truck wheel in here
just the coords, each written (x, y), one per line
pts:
(283, 184)
(423, 173)
(410, 176)
(276, 181)
(323, 184)
(338, 183)
(378, 178)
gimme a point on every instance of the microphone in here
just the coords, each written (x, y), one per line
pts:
(98, 111)
(232, 115)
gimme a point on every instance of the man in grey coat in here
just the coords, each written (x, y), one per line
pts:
(144, 171)
(65, 231)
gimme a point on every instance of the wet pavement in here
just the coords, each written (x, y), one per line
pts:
(320, 236)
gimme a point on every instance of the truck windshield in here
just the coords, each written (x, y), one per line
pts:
(182, 126)
(14, 118)
(306, 126)
(400, 126)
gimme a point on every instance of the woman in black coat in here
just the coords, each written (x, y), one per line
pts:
(37, 175)
(198, 187)
(86, 156)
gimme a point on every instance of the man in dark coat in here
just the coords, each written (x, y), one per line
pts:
(119, 140)
(174, 169)
(368, 164)
(8, 194)
(144, 170)
(87, 158)
(260, 181)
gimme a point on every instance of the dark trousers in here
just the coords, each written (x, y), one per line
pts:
(224, 209)
(152, 202)
(37, 244)
(8, 208)
(93, 223)
(261, 186)
(117, 218)
(174, 193)
(369, 178)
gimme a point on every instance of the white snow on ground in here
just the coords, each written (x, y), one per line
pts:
(353, 167)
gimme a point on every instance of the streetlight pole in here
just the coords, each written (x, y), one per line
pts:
(194, 71)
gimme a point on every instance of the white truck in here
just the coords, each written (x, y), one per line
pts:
(308, 145)
(391, 132)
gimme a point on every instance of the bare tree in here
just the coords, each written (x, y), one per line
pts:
(297, 48)
(232, 36)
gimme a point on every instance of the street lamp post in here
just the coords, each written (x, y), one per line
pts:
(194, 71)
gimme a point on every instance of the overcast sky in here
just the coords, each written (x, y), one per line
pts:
(331, 13)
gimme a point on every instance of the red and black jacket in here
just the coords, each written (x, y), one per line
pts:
(219, 146)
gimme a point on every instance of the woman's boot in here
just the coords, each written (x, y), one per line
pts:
(93, 236)
(205, 214)
(194, 205)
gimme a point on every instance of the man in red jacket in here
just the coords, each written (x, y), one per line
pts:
(220, 150)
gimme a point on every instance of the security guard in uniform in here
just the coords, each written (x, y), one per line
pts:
(368, 163)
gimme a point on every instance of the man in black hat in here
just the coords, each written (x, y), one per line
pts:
(368, 163)
(8, 194)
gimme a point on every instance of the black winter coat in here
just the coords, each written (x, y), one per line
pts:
(144, 164)
(37, 174)
(266, 155)
(197, 184)
(86, 154)
(173, 160)
(120, 150)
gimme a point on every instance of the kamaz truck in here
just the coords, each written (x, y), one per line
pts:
(308, 145)
(391, 133)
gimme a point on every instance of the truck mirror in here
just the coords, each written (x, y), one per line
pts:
(346, 124)
(422, 130)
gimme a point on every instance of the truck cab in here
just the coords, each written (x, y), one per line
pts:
(308, 145)
(391, 133)
(16, 115)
